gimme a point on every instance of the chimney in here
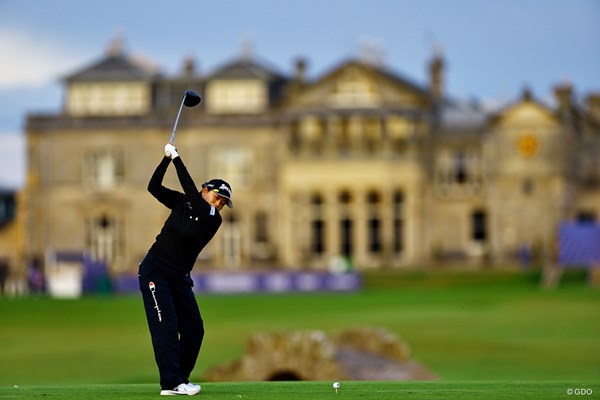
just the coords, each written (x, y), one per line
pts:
(189, 66)
(526, 94)
(564, 95)
(566, 108)
(116, 47)
(299, 79)
(300, 70)
(247, 49)
(593, 105)
(436, 71)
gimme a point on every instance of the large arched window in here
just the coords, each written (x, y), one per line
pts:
(317, 228)
(346, 224)
(232, 240)
(479, 226)
(104, 238)
(374, 222)
(398, 222)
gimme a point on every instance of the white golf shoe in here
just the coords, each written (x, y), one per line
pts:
(189, 389)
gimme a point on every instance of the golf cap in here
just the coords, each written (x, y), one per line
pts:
(220, 187)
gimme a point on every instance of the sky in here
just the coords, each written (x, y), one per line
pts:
(492, 48)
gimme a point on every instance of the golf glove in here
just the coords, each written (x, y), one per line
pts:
(171, 151)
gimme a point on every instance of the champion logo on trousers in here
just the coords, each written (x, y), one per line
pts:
(152, 287)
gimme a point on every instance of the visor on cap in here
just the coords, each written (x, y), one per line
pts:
(222, 188)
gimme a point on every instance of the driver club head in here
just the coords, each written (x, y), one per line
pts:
(191, 98)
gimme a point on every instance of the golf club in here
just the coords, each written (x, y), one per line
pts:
(190, 99)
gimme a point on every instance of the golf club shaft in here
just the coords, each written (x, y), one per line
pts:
(176, 122)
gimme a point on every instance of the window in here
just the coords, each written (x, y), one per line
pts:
(261, 228)
(312, 131)
(317, 236)
(346, 224)
(295, 142)
(374, 235)
(345, 198)
(344, 137)
(398, 127)
(354, 90)
(479, 228)
(103, 169)
(104, 235)
(458, 172)
(586, 217)
(236, 96)
(373, 198)
(460, 168)
(399, 131)
(7, 208)
(374, 223)
(398, 222)
(317, 227)
(311, 128)
(373, 139)
(233, 165)
(119, 98)
(346, 236)
(528, 186)
(232, 241)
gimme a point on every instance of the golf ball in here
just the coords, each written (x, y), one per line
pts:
(336, 385)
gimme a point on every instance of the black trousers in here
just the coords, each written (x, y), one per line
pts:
(174, 319)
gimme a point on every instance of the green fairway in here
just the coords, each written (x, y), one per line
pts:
(496, 329)
(323, 390)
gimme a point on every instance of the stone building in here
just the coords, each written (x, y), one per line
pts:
(358, 164)
(11, 242)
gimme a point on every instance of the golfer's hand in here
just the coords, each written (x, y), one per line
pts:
(171, 151)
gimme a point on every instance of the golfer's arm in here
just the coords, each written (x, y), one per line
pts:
(166, 196)
(188, 185)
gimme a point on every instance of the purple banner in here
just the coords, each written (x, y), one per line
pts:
(260, 282)
(274, 282)
(579, 245)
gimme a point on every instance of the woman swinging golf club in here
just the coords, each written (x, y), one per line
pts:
(174, 319)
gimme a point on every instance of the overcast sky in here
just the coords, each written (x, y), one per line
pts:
(492, 48)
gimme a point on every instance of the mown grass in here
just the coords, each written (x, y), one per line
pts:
(322, 390)
(461, 328)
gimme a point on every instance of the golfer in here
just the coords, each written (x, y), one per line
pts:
(174, 319)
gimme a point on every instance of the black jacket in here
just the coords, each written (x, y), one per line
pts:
(192, 222)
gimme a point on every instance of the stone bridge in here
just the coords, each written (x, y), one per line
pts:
(351, 354)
